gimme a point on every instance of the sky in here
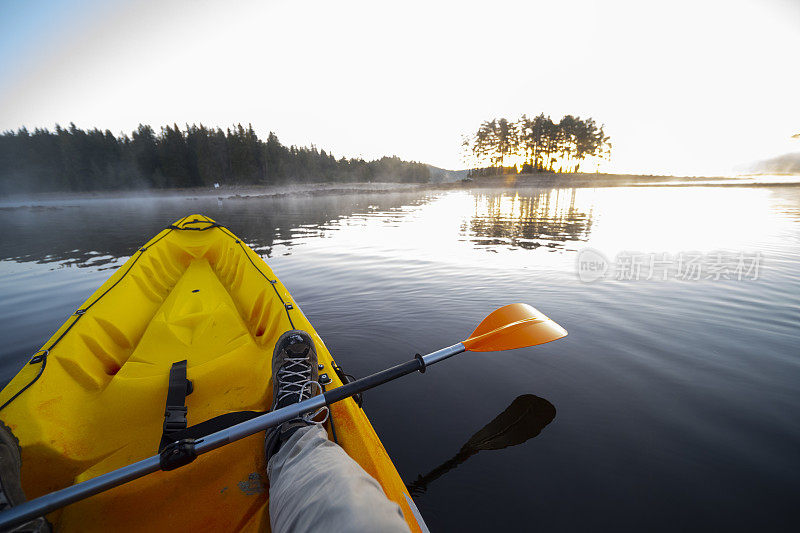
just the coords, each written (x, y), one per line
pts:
(683, 87)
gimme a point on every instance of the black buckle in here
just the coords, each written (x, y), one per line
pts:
(175, 418)
(177, 454)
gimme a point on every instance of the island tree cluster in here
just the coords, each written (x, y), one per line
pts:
(535, 144)
(71, 159)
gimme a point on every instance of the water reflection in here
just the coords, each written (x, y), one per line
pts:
(93, 233)
(529, 219)
(96, 233)
(524, 419)
(448, 226)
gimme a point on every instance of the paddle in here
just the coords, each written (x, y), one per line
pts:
(525, 418)
(511, 326)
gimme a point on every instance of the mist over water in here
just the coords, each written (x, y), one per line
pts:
(675, 402)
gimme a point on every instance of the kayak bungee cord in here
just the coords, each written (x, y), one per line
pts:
(35, 359)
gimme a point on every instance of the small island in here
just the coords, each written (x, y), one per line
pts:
(534, 145)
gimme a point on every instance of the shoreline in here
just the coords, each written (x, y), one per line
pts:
(591, 180)
(502, 181)
(230, 192)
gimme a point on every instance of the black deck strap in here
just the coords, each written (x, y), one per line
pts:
(175, 411)
(212, 425)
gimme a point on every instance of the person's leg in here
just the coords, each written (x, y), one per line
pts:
(314, 484)
(11, 493)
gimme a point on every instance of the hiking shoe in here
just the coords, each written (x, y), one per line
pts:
(294, 379)
(11, 493)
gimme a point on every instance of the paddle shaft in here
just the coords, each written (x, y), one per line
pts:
(29, 510)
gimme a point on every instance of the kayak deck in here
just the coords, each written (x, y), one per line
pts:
(194, 292)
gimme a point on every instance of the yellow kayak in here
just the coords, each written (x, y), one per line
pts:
(93, 398)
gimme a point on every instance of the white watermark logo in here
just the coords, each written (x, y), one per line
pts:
(592, 265)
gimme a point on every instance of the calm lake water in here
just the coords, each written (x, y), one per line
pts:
(676, 400)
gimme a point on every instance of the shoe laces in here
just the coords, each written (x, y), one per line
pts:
(294, 379)
(295, 384)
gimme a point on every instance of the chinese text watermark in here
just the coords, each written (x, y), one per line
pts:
(686, 266)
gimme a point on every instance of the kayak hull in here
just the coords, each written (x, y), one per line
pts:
(96, 391)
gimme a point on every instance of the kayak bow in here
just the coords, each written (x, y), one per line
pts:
(92, 400)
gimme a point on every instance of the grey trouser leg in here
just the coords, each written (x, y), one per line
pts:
(316, 486)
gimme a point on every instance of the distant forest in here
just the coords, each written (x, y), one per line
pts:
(535, 144)
(71, 159)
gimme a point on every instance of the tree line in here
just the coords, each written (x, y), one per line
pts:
(537, 144)
(71, 159)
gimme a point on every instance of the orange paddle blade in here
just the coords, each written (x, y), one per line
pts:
(513, 326)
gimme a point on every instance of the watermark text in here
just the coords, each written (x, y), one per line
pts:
(592, 265)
